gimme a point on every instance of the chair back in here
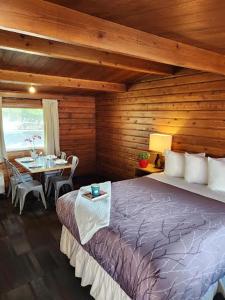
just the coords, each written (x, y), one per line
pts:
(63, 155)
(8, 167)
(75, 162)
(16, 173)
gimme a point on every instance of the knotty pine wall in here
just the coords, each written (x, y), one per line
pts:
(77, 129)
(189, 105)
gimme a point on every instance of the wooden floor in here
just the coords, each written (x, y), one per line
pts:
(31, 265)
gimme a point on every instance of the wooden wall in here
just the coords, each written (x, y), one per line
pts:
(189, 105)
(77, 129)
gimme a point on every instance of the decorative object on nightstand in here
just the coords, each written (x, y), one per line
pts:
(143, 159)
(159, 143)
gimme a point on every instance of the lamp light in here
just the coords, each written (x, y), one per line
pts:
(32, 89)
(159, 143)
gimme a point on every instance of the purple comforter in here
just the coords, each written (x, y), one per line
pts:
(162, 242)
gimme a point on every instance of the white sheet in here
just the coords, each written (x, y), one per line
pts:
(200, 189)
(92, 215)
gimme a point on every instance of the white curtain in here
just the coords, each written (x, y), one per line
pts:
(2, 141)
(51, 126)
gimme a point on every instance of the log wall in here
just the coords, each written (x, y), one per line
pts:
(189, 105)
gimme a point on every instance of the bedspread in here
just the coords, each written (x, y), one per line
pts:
(162, 242)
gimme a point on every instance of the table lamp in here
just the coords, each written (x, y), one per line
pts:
(159, 143)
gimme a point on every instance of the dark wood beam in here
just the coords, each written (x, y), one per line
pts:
(43, 19)
(43, 47)
(58, 81)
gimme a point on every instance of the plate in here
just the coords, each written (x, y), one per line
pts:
(26, 159)
(60, 161)
(34, 166)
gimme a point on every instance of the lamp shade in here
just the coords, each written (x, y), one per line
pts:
(160, 142)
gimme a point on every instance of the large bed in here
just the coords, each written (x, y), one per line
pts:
(165, 240)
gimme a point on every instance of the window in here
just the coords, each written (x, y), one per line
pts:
(20, 124)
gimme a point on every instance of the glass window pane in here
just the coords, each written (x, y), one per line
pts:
(20, 124)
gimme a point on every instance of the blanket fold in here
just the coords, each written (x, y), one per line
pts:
(92, 215)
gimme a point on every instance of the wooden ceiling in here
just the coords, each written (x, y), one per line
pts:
(51, 66)
(198, 23)
(14, 60)
(195, 22)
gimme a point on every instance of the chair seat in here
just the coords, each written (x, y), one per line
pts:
(25, 176)
(14, 181)
(58, 178)
(26, 187)
(29, 184)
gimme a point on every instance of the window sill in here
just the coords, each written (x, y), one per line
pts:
(20, 153)
(23, 150)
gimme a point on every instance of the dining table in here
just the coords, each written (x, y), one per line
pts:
(42, 164)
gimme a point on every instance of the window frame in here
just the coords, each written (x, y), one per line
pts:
(28, 104)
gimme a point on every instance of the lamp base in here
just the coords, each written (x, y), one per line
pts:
(159, 162)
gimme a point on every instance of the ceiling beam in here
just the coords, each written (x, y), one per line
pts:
(43, 19)
(58, 81)
(38, 96)
(43, 47)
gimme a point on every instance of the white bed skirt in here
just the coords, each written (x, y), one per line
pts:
(102, 285)
(91, 273)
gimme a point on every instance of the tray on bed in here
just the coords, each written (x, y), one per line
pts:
(89, 196)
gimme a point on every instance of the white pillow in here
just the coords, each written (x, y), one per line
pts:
(196, 168)
(174, 164)
(216, 174)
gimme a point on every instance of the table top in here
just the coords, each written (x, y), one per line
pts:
(43, 165)
(150, 169)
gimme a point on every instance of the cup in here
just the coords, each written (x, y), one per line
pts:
(95, 190)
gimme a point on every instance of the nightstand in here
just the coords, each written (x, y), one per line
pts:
(145, 171)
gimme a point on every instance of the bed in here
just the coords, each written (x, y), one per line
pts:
(166, 240)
